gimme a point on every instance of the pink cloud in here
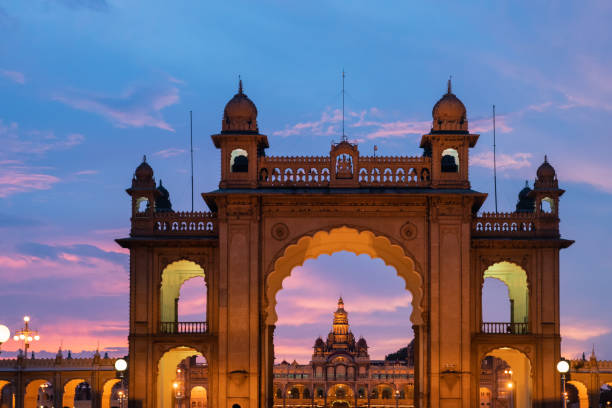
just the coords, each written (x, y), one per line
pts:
(171, 152)
(15, 140)
(86, 172)
(20, 179)
(583, 330)
(503, 160)
(136, 107)
(15, 76)
(318, 127)
(586, 171)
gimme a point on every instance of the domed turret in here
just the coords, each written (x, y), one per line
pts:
(546, 176)
(240, 114)
(362, 344)
(144, 172)
(449, 113)
(162, 201)
(525, 203)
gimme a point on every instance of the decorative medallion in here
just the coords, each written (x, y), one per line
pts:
(408, 231)
(280, 231)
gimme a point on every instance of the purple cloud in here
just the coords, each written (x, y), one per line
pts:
(15, 76)
(15, 178)
(136, 107)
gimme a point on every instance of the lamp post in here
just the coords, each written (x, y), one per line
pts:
(563, 367)
(26, 334)
(397, 395)
(178, 392)
(5, 334)
(121, 366)
(510, 386)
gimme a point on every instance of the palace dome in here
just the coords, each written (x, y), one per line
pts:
(144, 172)
(240, 114)
(449, 113)
(546, 172)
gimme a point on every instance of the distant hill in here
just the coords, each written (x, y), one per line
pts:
(404, 354)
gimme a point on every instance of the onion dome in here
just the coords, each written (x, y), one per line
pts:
(240, 114)
(525, 203)
(319, 343)
(162, 201)
(449, 113)
(546, 176)
(144, 172)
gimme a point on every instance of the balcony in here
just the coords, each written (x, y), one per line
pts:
(504, 328)
(183, 327)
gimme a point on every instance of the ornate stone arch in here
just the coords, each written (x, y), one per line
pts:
(344, 238)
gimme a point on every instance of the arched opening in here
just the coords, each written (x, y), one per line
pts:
(142, 205)
(450, 161)
(171, 375)
(547, 205)
(372, 275)
(506, 372)
(197, 398)
(514, 299)
(6, 394)
(33, 391)
(71, 389)
(577, 394)
(108, 394)
(239, 161)
(178, 303)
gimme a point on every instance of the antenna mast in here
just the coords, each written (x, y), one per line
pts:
(191, 149)
(343, 135)
(494, 161)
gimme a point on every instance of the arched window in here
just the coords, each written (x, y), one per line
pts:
(386, 393)
(450, 161)
(142, 204)
(547, 205)
(239, 161)
(183, 298)
(507, 282)
(279, 393)
(361, 393)
(374, 394)
(306, 393)
(294, 393)
(320, 393)
(340, 371)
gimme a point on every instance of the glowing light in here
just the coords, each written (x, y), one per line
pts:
(120, 365)
(26, 318)
(175, 385)
(5, 333)
(563, 366)
(510, 385)
(29, 338)
(37, 337)
(21, 337)
(16, 338)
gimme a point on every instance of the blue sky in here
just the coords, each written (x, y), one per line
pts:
(89, 86)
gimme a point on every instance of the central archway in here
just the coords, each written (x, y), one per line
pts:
(344, 239)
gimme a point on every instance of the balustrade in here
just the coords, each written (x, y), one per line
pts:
(178, 223)
(183, 327)
(504, 328)
(505, 224)
(367, 172)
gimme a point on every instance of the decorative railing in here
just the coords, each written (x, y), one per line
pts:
(183, 327)
(504, 224)
(359, 172)
(504, 328)
(180, 223)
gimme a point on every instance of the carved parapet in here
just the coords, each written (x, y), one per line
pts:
(177, 224)
(354, 171)
(515, 224)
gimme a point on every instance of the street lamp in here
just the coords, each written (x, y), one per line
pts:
(121, 366)
(397, 395)
(26, 334)
(563, 367)
(178, 392)
(5, 334)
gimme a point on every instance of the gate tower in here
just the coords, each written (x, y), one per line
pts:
(271, 213)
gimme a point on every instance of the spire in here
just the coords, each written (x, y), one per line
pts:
(340, 303)
(239, 85)
(593, 353)
(449, 86)
(144, 158)
(545, 158)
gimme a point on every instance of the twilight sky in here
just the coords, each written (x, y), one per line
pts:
(89, 86)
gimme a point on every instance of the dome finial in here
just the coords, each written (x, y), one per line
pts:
(449, 85)
(144, 158)
(545, 158)
(239, 85)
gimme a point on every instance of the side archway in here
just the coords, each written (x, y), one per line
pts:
(583, 393)
(344, 239)
(167, 372)
(515, 279)
(198, 397)
(173, 277)
(31, 393)
(107, 392)
(70, 391)
(521, 380)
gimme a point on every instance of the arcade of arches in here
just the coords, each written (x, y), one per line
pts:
(418, 214)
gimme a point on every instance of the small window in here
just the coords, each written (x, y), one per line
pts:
(239, 161)
(450, 161)
(548, 205)
(142, 205)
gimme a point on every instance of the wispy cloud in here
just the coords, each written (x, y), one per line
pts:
(583, 330)
(86, 172)
(27, 142)
(15, 76)
(139, 106)
(17, 178)
(503, 161)
(170, 152)
(323, 126)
